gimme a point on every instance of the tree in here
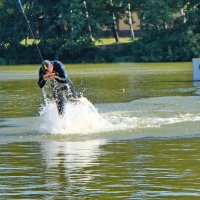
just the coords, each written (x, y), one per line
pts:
(66, 28)
(12, 30)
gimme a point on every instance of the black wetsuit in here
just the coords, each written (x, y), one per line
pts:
(60, 77)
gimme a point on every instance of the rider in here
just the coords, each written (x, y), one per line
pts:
(55, 70)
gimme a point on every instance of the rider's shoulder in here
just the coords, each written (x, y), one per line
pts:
(58, 63)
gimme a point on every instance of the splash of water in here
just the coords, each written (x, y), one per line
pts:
(79, 117)
(137, 116)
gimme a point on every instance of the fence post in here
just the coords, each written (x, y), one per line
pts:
(196, 69)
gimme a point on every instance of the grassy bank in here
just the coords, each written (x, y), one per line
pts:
(106, 50)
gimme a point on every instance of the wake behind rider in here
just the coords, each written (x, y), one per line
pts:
(55, 70)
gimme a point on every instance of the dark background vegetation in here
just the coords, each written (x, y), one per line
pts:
(68, 29)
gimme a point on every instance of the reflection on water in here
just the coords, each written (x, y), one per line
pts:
(137, 169)
(76, 155)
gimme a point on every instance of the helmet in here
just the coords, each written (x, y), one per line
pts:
(46, 65)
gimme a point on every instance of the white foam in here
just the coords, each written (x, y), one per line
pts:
(81, 117)
(123, 122)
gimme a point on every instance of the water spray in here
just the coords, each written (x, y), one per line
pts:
(30, 28)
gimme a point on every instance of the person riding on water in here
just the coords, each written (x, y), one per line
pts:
(55, 70)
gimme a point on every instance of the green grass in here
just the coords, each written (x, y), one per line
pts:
(101, 41)
(19, 67)
(107, 41)
(30, 42)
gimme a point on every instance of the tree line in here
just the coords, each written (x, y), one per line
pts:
(68, 29)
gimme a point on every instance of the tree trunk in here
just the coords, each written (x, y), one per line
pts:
(114, 26)
(87, 17)
(130, 22)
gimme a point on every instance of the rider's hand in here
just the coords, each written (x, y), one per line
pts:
(49, 76)
(52, 75)
(46, 77)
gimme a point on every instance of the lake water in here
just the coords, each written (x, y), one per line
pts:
(135, 135)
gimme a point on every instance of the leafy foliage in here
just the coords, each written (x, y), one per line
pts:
(68, 29)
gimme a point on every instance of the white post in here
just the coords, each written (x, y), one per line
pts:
(196, 69)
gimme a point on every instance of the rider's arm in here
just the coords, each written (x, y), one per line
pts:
(61, 75)
(63, 78)
(41, 81)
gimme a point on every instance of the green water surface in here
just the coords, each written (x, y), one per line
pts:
(157, 158)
